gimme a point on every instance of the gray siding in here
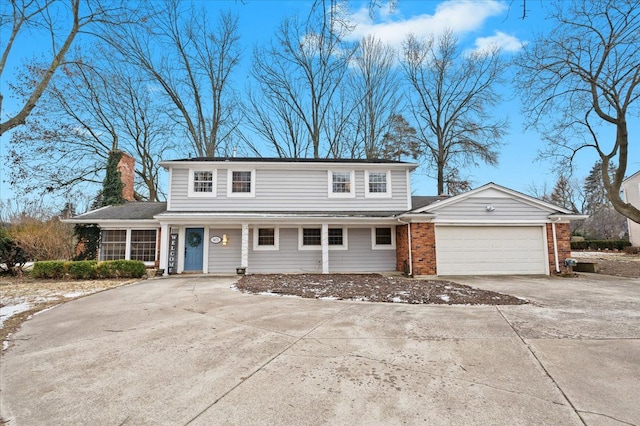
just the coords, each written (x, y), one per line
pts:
(287, 190)
(288, 259)
(225, 259)
(475, 208)
(360, 257)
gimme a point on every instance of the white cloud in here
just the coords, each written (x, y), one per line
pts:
(505, 42)
(460, 16)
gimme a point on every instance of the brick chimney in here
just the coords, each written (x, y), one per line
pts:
(127, 169)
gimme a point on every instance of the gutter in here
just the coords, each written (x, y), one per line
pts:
(555, 242)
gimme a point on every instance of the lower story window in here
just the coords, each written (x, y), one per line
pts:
(266, 236)
(113, 244)
(383, 236)
(143, 245)
(335, 237)
(311, 237)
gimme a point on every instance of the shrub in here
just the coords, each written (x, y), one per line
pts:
(11, 254)
(88, 269)
(82, 270)
(49, 269)
(632, 250)
(600, 245)
(121, 269)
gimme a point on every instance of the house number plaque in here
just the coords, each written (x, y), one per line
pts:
(216, 240)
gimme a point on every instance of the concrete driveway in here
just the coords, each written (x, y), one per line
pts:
(183, 351)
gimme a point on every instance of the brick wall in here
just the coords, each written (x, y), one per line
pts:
(402, 248)
(423, 242)
(563, 238)
(423, 248)
(127, 168)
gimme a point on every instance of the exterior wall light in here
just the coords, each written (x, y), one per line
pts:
(225, 240)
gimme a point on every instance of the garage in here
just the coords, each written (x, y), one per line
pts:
(491, 250)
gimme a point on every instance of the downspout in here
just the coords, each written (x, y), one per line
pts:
(409, 242)
(555, 244)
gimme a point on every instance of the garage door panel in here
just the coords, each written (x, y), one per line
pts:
(489, 250)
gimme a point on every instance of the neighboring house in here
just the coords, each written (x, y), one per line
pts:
(631, 190)
(269, 215)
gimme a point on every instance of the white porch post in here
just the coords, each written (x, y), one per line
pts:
(164, 248)
(205, 251)
(127, 249)
(244, 261)
(324, 238)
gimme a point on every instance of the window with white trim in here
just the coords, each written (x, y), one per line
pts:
(383, 238)
(377, 184)
(113, 244)
(202, 183)
(311, 239)
(341, 184)
(241, 183)
(143, 245)
(266, 238)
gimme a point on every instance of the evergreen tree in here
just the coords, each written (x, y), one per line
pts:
(112, 185)
(594, 192)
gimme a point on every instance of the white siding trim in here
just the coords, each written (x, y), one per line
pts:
(169, 193)
(352, 184)
(276, 239)
(391, 246)
(192, 194)
(232, 194)
(409, 204)
(368, 194)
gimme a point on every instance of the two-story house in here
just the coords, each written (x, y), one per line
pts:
(631, 193)
(263, 215)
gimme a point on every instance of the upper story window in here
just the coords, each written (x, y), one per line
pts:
(241, 183)
(202, 183)
(341, 184)
(266, 239)
(378, 184)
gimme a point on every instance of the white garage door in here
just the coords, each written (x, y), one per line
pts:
(490, 250)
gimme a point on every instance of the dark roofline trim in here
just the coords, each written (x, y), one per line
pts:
(288, 160)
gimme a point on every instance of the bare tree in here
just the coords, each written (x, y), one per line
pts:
(61, 23)
(89, 111)
(581, 81)
(451, 96)
(298, 76)
(375, 88)
(192, 66)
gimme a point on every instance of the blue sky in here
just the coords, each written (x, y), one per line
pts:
(475, 23)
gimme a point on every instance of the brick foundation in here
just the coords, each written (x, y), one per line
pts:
(563, 239)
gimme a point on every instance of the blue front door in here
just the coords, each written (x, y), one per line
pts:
(193, 244)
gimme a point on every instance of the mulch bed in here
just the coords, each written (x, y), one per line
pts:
(373, 288)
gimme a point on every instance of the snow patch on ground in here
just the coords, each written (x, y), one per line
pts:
(8, 311)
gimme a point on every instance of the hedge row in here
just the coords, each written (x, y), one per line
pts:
(600, 245)
(87, 269)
